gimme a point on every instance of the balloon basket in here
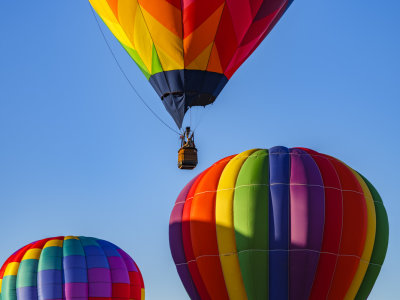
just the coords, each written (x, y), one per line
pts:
(187, 158)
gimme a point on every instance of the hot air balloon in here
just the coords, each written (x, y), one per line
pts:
(189, 49)
(70, 267)
(279, 223)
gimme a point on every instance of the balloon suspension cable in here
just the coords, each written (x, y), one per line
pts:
(127, 78)
(190, 111)
(200, 119)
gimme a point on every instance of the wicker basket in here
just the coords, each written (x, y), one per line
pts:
(187, 158)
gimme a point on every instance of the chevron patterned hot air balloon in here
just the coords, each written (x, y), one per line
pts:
(279, 224)
(189, 49)
(70, 268)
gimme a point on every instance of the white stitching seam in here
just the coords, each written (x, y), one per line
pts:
(267, 185)
(276, 250)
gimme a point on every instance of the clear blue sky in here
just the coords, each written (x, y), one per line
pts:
(80, 155)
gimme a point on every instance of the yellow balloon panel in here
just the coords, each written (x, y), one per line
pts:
(369, 241)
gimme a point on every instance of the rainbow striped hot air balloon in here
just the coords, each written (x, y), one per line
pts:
(279, 224)
(70, 268)
(189, 49)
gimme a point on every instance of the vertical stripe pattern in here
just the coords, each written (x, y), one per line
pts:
(70, 268)
(278, 224)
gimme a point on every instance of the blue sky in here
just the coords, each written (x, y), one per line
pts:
(80, 155)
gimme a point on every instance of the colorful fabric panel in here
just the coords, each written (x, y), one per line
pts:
(279, 223)
(70, 268)
(189, 49)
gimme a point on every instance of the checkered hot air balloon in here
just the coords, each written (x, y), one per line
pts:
(279, 224)
(189, 49)
(66, 268)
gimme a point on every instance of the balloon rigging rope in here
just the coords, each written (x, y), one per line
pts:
(127, 78)
(200, 118)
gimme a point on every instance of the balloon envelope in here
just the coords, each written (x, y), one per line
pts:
(279, 223)
(189, 49)
(70, 268)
